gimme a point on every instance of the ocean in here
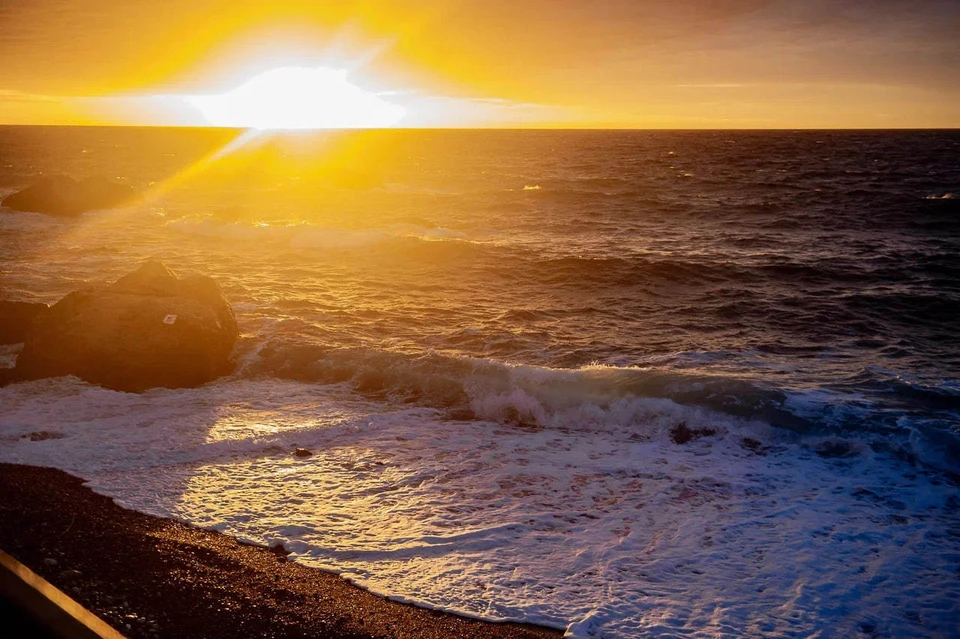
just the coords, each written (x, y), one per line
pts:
(622, 383)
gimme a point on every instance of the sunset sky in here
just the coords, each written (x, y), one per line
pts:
(598, 63)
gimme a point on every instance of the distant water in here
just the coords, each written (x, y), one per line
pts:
(490, 340)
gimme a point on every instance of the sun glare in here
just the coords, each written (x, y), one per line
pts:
(298, 98)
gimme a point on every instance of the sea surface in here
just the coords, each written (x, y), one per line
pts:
(620, 383)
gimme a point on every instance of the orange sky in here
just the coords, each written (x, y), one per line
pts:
(615, 63)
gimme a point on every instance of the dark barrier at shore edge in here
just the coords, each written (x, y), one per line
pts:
(38, 603)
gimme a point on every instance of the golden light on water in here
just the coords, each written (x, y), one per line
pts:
(298, 98)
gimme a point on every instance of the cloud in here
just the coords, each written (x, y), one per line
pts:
(10, 96)
(446, 111)
(597, 59)
(711, 86)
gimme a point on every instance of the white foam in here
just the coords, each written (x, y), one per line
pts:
(609, 529)
(8, 354)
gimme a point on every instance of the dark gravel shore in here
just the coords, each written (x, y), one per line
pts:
(153, 577)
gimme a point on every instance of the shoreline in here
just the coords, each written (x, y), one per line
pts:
(153, 577)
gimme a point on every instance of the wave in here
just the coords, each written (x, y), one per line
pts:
(603, 396)
(628, 271)
(541, 260)
(488, 389)
(541, 396)
(534, 260)
(305, 235)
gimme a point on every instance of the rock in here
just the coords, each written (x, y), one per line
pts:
(302, 452)
(682, 434)
(42, 435)
(50, 562)
(753, 445)
(65, 197)
(149, 329)
(70, 574)
(834, 448)
(16, 318)
(280, 551)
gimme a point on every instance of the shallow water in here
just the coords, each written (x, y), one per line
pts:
(487, 338)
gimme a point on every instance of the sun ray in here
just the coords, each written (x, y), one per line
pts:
(194, 169)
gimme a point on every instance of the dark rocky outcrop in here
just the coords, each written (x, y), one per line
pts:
(16, 318)
(65, 197)
(148, 329)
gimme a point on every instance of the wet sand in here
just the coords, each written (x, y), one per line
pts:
(154, 577)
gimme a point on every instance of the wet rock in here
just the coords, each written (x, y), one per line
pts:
(149, 329)
(43, 435)
(460, 415)
(834, 448)
(63, 196)
(279, 551)
(16, 318)
(682, 434)
(753, 445)
(302, 452)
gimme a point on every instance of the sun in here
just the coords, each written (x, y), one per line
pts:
(298, 98)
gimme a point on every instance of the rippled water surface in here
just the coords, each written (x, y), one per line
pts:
(498, 333)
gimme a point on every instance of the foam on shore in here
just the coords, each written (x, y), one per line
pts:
(607, 531)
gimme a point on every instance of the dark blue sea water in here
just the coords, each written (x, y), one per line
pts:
(805, 282)
(807, 278)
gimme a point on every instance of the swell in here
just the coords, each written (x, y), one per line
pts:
(305, 235)
(534, 254)
(597, 395)
(478, 388)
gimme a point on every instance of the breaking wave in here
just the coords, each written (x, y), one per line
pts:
(601, 396)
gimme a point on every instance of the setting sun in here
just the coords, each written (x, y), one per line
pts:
(298, 98)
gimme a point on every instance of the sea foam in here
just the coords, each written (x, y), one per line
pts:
(741, 530)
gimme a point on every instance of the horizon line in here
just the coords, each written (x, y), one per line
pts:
(465, 128)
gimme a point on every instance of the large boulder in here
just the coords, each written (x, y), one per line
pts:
(65, 197)
(16, 318)
(148, 329)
